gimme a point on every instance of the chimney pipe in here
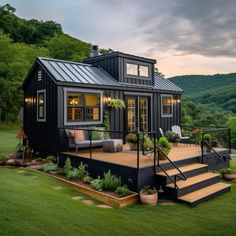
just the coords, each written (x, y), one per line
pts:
(94, 52)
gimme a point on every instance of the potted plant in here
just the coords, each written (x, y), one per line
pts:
(228, 174)
(148, 196)
(165, 147)
(207, 140)
(131, 138)
(172, 137)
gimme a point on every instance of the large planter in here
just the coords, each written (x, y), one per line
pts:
(229, 176)
(148, 199)
(161, 156)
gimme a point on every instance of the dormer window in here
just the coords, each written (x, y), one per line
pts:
(137, 70)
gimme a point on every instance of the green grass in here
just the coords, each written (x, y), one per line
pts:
(30, 206)
(8, 140)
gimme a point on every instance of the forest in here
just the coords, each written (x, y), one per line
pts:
(207, 100)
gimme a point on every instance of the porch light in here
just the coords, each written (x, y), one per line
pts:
(178, 100)
(27, 100)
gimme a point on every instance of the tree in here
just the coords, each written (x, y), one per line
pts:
(232, 125)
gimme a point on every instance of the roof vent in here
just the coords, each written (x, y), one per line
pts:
(94, 52)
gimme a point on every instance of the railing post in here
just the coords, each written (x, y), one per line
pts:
(90, 144)
(137, 150)
(202, 147)
(155, 152)
(229, 140)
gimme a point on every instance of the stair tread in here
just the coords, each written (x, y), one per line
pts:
(193, 180)
(185, 168)
(203, 192)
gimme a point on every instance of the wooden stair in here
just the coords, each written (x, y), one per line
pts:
(199, 186)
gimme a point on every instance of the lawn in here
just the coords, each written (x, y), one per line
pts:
(8, 140)
(34, 204)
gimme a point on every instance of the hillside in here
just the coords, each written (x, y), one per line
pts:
(215, 90)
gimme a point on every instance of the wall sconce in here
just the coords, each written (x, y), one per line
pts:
(107, 99)
(27, 100)
(177, 98)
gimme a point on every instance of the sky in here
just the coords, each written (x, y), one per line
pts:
(184, 36)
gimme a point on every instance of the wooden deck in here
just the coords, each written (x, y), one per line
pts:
(129, 158)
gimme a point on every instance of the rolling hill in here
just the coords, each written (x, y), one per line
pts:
(215, 90)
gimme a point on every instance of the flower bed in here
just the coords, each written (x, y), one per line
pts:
(109, 198)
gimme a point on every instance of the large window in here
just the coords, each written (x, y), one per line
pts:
(166, 105)
(137, 70)
(41, 105)
(83, 106)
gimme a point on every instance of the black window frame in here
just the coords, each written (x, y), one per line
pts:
(162, 105)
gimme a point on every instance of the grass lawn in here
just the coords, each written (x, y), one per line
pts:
(8, 140)
(30, 205)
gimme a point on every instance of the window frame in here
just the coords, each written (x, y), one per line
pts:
(41, 119)
(166, 96)
(138, 64)
(84, 92)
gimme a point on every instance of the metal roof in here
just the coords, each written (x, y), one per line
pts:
(164, 84)
(74, 72)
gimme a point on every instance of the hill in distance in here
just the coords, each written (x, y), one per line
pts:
(217, 90)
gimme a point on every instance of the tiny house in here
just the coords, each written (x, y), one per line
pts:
(63, 94)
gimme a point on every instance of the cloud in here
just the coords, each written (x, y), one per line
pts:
(190, 27)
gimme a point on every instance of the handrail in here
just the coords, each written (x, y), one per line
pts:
(219, 155)
(181, 175)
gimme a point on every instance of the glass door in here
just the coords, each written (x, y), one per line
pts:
(137, 113)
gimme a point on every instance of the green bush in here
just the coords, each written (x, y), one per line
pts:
(60, 171)
(2, 159)
(123, 191)
(164, 145)
(110, 182)
(67, 166)
(97, 184)
(82, 170)
(147, 143)
(87, 179)
(49, 167)
(73, 174)
(207, 137)
(51, 159)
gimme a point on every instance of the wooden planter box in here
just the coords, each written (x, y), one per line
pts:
(101, 196)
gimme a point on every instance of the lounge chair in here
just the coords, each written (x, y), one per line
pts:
(177, 130)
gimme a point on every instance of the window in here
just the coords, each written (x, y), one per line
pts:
(83, 107)
(167, 105)
(41, 105)
(137, 70)
(143, 71)
(132, 69)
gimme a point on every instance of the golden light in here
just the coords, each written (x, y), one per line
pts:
(73, 102)
(41, 101)
(178, 100)
(27, 100)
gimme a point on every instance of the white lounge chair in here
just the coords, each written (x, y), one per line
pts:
(161, 132)
(177, 130)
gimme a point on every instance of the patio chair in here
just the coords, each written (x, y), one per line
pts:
(161, 132)
(177, 130)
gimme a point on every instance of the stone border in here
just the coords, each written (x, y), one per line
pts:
(100, 196)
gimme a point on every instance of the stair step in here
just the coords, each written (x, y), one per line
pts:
(186, 168)
(204, 194)
(193, 180)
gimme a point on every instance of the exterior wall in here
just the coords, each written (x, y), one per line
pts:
(42, 135)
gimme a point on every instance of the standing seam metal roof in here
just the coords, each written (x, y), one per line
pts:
(65, 71)
(164, 84)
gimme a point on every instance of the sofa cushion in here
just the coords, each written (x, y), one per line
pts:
(79, 135)
(97, 133)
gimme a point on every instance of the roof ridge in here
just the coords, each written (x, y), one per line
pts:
(65, 61)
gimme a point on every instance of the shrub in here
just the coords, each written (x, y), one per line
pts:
(147, 143)
(51, 159)
(49, 167)
(164, 145)
(97, 184)
(82, 170)
(123, 191)
(207, 137)
(60, 171)
(87, 179)
(67, 166)
(131, 138)
(110, 182)
(73, 174)
(171, 137)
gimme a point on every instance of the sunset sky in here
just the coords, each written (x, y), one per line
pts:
(184, 36)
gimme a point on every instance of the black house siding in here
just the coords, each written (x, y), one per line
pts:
(41, 135)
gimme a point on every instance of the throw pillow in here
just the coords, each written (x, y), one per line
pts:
(79, 135)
